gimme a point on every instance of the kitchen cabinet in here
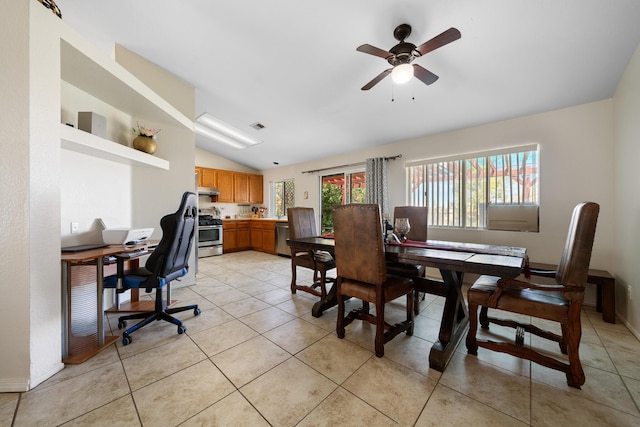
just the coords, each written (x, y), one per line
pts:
(236, 235)
(255, 189)
(224, 185)
(234, 187)
(243, 238)
(263, 235)
(240, 187)
(199, 172)
(229, 237)
(208, 177)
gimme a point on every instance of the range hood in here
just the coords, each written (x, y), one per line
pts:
(208, 191)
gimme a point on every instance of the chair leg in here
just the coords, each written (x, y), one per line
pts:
(379, 342)
(340, 321)
(323, 285)
(484, 317)
(411, 303)
(472, 345)
(575, 374)
(563, 342)
(293, 275)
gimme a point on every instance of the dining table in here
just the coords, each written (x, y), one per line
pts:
(453, 260)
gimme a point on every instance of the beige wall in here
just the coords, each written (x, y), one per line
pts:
(575, 160)
(626, 111)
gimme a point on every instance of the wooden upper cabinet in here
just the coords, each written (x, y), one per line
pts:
(234, 187)
(208, 178)
(255, 189)
(225, 185)
(241, 188)
(199, 172)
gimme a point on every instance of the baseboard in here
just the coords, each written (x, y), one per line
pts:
(14, 385)
(17, 385)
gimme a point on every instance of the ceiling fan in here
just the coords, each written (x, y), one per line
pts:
(401, 55)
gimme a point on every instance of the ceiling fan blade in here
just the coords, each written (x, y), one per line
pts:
(377, 79)
(424, 75)
(446, 37)
(372, 50)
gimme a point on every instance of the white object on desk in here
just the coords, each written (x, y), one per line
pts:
(121, 236)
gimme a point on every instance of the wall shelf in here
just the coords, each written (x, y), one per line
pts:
(89, 70)
(83, 142)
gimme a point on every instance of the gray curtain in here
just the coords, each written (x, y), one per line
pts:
(377, 188)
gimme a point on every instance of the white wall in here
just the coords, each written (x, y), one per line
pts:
(576, 164)
(14, 186)
(626, 109)
(30, 196)
(44, 188)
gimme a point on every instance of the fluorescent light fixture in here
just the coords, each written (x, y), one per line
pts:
(402, 73)
(219, 131)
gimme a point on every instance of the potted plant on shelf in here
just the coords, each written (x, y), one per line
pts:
(145, 138)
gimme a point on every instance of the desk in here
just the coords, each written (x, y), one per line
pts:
(93, 257)
(453, 259)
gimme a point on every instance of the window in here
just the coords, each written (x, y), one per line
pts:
(338, 189)
(458, 190)
(283, 197)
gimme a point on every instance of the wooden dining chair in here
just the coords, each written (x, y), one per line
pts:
(422, 285)
(302, 223)
(362, 272)
(560, 302)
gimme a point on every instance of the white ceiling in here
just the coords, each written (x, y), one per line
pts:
(292, 65)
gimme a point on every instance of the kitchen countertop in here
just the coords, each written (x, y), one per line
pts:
(256, 219)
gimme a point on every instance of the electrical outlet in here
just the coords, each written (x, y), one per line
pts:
(74, 227)
(629, 292)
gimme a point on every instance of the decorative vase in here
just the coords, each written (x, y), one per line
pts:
(144, 143)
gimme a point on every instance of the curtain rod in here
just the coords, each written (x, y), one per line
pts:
(350, 164)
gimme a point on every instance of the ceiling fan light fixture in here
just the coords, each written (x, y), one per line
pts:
(222, 132)
(402, 73)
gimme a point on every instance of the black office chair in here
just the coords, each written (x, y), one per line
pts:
(167, 262)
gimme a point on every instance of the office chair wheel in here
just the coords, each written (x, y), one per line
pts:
(122, 324)
(196, 311)
(181, 329)
(126, 339)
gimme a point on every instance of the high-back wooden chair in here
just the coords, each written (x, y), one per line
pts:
(362, 272)
(302, 223)
(560, 302)
(418, 221)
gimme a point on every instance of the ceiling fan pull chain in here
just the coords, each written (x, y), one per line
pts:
(393, 98)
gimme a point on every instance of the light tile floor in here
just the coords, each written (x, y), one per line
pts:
(256, 357)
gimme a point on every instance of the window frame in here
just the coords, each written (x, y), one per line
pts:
(272, 199)
(524, 177)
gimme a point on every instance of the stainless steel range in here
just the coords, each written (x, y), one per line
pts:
(209, 236)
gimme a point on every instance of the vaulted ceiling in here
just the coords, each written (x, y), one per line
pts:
(293, 66)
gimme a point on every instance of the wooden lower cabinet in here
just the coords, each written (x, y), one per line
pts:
(263, 236)
(242, 235)
(235, 236)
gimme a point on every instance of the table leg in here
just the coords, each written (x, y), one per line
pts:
(455, 320)
(330, 301)
(100, 285)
